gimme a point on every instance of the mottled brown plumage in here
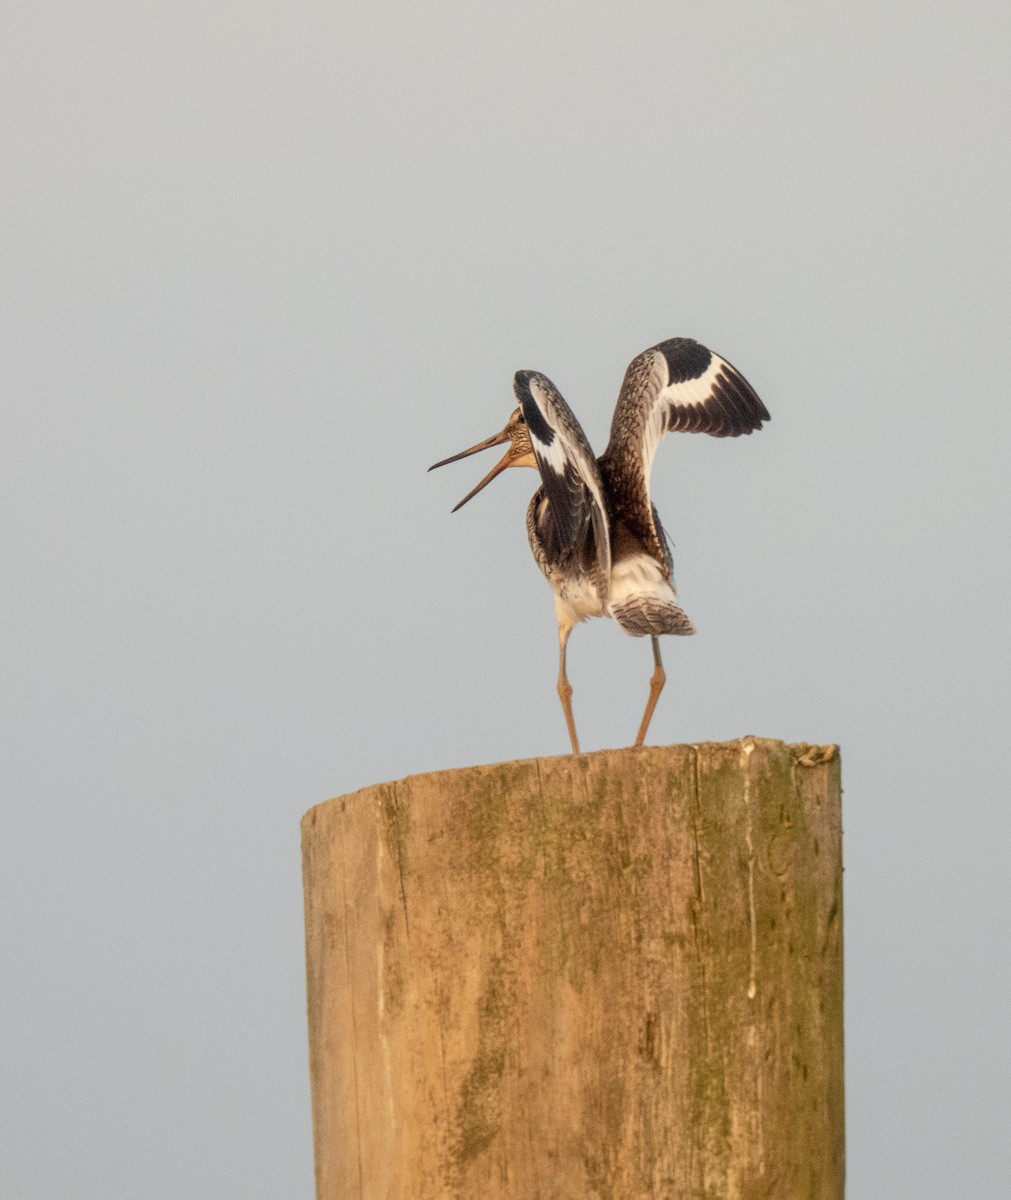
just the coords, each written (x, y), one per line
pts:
(593, 529)
(643, 414)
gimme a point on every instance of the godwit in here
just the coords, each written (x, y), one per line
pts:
(593, 529)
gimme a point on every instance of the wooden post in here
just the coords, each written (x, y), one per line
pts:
(614, 975)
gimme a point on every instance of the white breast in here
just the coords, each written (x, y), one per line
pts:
(576, 599)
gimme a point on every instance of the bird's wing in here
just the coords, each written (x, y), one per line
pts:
(678, 385)
(568, 468)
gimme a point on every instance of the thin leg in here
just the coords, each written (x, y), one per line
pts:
(565, 688)
(655, 688)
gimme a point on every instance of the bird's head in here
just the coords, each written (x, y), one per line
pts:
(519, 454)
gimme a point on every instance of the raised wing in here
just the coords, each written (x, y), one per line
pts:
(678, 385)
(568, 469)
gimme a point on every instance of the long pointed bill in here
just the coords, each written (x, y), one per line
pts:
(500, 466)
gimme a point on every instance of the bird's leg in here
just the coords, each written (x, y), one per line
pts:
(656, 683)
(565, 688)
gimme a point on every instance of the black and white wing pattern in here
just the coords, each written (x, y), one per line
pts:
(569, 473)
(678, 385)
(681, 386)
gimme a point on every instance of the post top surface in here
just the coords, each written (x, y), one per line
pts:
(803, 753)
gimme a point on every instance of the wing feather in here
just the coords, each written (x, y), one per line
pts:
(676, 386)
(568, 470)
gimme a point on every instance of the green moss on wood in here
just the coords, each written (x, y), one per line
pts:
(653, 935)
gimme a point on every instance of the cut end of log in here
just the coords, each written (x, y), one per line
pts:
(805, 754)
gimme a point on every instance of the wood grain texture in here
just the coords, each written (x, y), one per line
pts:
(613, 975)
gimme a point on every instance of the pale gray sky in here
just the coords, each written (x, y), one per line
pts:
(263, 264)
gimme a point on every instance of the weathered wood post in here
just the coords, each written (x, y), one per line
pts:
(615, 975)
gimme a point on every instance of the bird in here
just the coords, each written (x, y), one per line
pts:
(593, 528)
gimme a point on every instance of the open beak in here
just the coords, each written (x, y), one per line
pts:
(500, 466)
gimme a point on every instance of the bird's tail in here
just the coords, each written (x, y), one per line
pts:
(642, 599)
